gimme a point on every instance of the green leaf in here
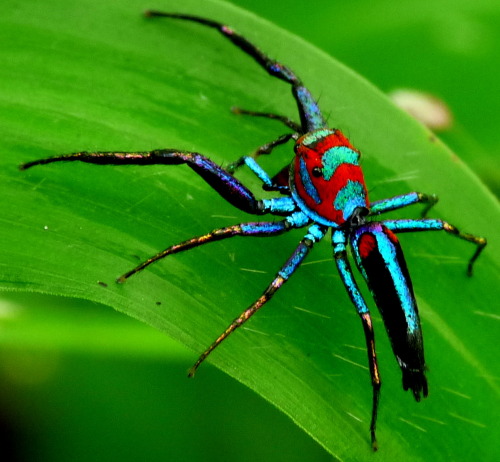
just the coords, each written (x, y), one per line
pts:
(100, 77)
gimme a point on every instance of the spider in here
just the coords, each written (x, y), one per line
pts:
(322, 189)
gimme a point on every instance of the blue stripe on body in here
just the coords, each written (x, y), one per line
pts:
(388, 253)
(311, 213)
(337, 156)
(306, 181)
(351, 196)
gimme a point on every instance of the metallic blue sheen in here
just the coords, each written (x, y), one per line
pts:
(351, 286)
(388, 252)
(315, 233)
(393, 203)
(294, 261)
(423, 224)
(297, 219)
(279, 204)
(258, 170)
(338, 238)
(264, 228)
(378, 255)
(351, 196)
(310, 213)
(312, 114)
(306, 181)
(315, 136)
(335, 157)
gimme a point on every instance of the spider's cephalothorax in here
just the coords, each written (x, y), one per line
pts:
(327, 181)
(322, 189)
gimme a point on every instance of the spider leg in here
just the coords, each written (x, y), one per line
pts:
(264, 149)
(430, 224)
(269, 184)
(280, 181)
(344, 268)
(285, 120)
(219, 179)
(404, 200)
(315, 234)
(255, 229)
(310, 115)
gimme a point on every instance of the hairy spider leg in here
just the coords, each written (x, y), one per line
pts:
(310, 115)
(404, 200)
(434, 224)
(221, 181)
(314, 234)
(424, 224)
(254, 229)
(339, 240)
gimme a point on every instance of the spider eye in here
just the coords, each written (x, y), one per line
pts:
(317, 172)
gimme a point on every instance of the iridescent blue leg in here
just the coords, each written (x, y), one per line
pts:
(251, 163)
(314, 235)
(224, 183)
(429, 224)
(256, 229)
(404, 200)
(310, 115)
(280, 181)
(344, 268)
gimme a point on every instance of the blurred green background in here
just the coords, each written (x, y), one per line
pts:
(90, 396)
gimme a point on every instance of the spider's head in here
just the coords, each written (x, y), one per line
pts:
(325, 178)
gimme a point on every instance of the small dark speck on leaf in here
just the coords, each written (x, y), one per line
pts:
(102, 284)
(158, 303)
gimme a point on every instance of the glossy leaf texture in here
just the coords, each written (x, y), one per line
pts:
(96, 76)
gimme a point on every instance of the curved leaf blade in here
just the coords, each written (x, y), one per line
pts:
(92, 84)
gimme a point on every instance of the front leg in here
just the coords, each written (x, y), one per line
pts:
(219, 179)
